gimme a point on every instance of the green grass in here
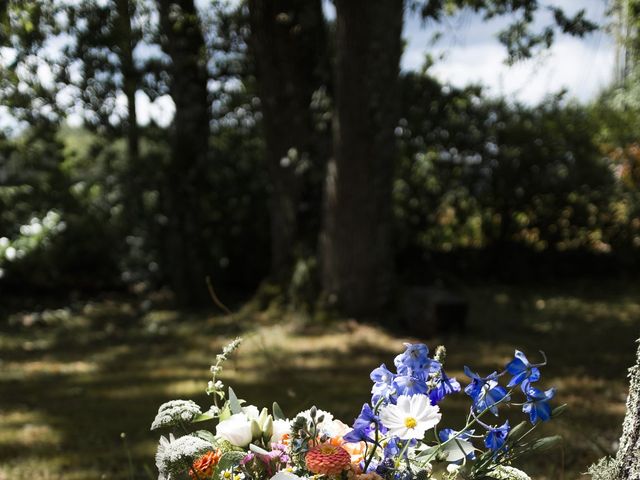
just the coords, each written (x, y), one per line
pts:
(73, 380)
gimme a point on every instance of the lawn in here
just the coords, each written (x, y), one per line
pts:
(73, 379)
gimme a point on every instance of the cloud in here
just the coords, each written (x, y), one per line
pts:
(472, 54)
(570, 64)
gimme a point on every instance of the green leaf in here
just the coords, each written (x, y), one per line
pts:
(206, 435)
(228, 460)
(517, 432)
(227, 446)
(257, 449)
(225, 412)
(545, 443)
(234, 403)
(426, 452)
(203, 417)
(556, 412)
(278, 414)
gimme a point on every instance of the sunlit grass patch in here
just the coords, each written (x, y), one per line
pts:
(67, 394)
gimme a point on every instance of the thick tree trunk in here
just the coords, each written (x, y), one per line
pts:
(287, 41)
(187, 169)
(357, 257)
(626, 464)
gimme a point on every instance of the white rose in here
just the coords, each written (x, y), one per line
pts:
(236, 429)
(280, 429)
(251, 411)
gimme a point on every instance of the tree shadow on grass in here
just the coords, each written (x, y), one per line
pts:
(141, 363)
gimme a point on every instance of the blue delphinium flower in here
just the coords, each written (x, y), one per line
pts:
(359, 434)
(522, 370)
(414, 370)
(383, 384)
(444, 386)
(391, 448)
(446, 433)
(364, 426)
(485, 392)
(382, 375)
(415, 361)
(496, 437)
(415, 356)
(410, 385)
(537, 405)
(394, 446)
(367, 417)
(385, 466)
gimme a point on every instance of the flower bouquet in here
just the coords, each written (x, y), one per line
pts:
(399, 435)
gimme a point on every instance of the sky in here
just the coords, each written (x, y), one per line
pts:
(472, 54)
(468, 52)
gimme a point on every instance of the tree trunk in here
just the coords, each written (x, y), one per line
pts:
(287, 41)
(187, 172)
(357, 257)
(130, 86)
(626, 464)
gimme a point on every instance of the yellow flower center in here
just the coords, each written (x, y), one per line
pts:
(328, 449)
(410, 422)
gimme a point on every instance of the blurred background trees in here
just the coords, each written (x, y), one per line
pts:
(298, 155)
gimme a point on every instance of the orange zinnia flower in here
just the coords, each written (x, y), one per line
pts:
(356, 450)
(205, 465)
(327, 459)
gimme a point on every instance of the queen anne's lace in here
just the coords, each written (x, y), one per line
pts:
(175, 412)
(503, 472)
(175, 455)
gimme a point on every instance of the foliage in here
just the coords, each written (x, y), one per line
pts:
(519, 37)
(477, 172)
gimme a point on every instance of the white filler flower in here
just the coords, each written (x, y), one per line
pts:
(504, 472)
(175, 412)
(411, 417)
(236, 429)
(173, 453)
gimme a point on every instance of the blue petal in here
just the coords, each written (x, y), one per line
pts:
(544, 411)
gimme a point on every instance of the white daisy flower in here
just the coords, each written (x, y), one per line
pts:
(411, 417)
(226, 474)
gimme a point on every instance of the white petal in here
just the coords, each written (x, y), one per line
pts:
(404, 403)
(419, 404)
(457, 450)
(284, 475)
(430, 412)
